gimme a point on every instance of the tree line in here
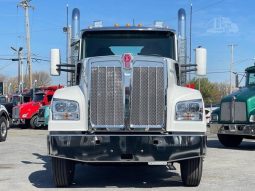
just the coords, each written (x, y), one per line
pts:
(11, 83)
(212, 92)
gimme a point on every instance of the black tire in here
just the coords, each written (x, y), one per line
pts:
(33, 122)
(63, 171)
(191, 171)
(26, 125)
(3, 129)
(230, 140)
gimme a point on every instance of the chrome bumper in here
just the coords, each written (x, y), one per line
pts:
(237, 129)
(233, 129)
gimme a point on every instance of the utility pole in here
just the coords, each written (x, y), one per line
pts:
(25, 5)
(20, 69)
(231, 66)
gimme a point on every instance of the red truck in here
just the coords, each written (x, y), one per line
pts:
(27, 113)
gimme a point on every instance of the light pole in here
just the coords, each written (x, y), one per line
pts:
(20, 72)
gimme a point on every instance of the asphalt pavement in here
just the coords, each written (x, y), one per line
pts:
(24, 165)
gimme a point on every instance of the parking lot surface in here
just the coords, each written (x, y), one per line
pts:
(24, 165)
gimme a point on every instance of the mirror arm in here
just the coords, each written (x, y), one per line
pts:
(190, 70)
(188, 65)
(66, 65)
(66, 70)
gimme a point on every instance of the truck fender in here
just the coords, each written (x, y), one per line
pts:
(6, 115)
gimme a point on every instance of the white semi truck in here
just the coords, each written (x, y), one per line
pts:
(4, 123)
(127, 105)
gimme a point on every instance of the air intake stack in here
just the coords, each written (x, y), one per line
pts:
(182, 45)
(75, 36)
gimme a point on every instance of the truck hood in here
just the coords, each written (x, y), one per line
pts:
(242, 95)
(26, 110)
(246, 94)
(29, 105)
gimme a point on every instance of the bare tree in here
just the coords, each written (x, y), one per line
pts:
(43, 78)
(223, 89)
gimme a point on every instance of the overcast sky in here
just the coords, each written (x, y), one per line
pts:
(216, 24)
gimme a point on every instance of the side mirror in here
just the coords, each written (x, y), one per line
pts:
(237, 81)
(54, 62)
(200, 59)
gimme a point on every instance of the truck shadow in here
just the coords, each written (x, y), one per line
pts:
(108, 176)
(126, 177)
(245, 145)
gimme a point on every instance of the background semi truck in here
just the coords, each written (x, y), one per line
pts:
(4, 123)
(126, 105)
(27, 113)
(235, 119)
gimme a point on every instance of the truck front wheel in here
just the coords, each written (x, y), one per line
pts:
(191, 171)
(33, 122)
(230, 140)
(63, 171)
(3, 129)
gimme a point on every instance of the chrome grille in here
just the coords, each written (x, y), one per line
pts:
(41, 112)
(15, 113)
(106, 99)
(147, 97)
(233, 111)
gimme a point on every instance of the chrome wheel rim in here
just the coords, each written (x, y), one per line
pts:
(3, 129)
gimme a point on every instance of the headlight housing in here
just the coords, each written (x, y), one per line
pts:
(191, 110)
(65, 110)
(252, 118)
(214, 117)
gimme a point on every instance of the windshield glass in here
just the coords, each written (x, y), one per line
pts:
(3, 100)
(150, 43)
(15, 100)
(250, 79)
(38, 97)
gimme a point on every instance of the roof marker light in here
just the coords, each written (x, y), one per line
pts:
(158, 24)
(98, 24)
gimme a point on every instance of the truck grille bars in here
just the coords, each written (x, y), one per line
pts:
(106, 102)
(127, 98)
(233, 111)
(147, 97)
(15, 113)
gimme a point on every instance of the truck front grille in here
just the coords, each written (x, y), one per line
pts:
(106, 99)
(123, 98)
(15, 113)
(233, 111)
(147, 97)
(41, 112)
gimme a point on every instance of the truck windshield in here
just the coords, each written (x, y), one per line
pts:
(38, 97)
(3, 100)
(250, 79)
(16, 100)
(118, 42)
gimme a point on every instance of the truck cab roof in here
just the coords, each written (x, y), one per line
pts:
(130, 28)
(250, 69)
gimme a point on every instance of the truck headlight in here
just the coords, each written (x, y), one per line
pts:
(252, 118)
(214, 117)
(65, 110)
(191, 110)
